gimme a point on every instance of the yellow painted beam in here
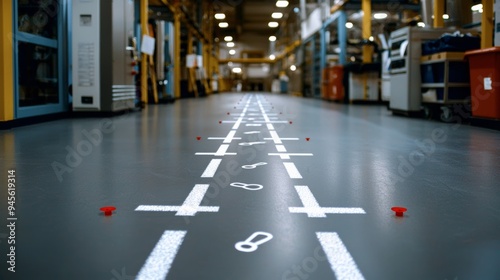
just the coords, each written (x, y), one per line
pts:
(144, 57)
(6, 62)
(487, 25)
(177, 52)
(367, 30)
(438, 13)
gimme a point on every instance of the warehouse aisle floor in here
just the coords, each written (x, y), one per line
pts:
(253, 186)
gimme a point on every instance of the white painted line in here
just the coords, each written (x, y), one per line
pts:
(253, 132)
(275, 137)
(235, 122)
(312, 208)
(161, 258)
(281, 148)
(269, 121)
(270, 126)
(253, 124)
(220, 152)
(283, 139)
(211, 168)
(222, 138)
(341, 261)
(292, 170)
(229, 137)
(288, 155)
(189, 207)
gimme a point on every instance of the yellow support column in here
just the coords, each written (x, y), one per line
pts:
(177, 51)
(487, 25)
(367, 30)
(144, 57)
(6, 62)
(438, 13)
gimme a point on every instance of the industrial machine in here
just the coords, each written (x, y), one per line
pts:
(405, 80)
(497, 23)
(104, 55)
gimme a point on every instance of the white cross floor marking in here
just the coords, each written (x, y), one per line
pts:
(292, 170)
(189, 207)
(161, 258)
(312, 208)
(220, 152)
(211, 168)
(338, 256)
(288, 155)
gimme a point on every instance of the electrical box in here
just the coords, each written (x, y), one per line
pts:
(104, 55)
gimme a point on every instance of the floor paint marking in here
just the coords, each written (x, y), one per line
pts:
(253, 124)
(288, 155)
(281, 148)
(161, 258)
(253, 132)
(270, 126)
(253, 166)
(338, 256)
(251, 143)
(235, 122)
(220, 152)
(269, 121)
(229, 137)
(292, 170)
(249, 187)
(250, 245)
(312, 208)
(189, 207)
(275, 137)
(211, 168)
(222, 138)
(284, 139)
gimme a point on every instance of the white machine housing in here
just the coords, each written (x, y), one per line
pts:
(405, 80)
(103, 55)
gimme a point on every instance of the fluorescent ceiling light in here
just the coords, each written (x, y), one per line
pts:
(293, 67)
(273, 24)
(232, 52)
(220, 16)
(379, 15)
(237, 70)
(477, 8)
(446, 16)
(272, 38)
(272, 57)
(223, 24)
(230, 44)
(281, 4)
(228, 38)
(277, 15)
(349, 25)
(421, 24)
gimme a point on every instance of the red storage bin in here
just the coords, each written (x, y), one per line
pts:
(484, 68)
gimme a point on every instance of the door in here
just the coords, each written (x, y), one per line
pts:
(39, 57)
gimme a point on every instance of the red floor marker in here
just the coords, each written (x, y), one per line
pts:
(399, 210)
(307, 139)
(220, 121)
(108, 210)
(228, 113)
(290, 122)
(198, 138)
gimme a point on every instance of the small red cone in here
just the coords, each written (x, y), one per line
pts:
(108, 210)
(399, 210)
(307, 139)
(198, 138)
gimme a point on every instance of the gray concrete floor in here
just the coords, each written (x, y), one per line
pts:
(364, 161)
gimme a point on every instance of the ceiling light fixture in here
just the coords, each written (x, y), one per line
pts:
(230, 44)
(220, 16)
(223, 24)
(272, 57)
(281, 4)
(277, 15)
(273, 24)
(421, 24)
(293, 67)
(228, 38)
(237, 70)
(446, 16)
(379, 15)
(272, 38)
(232, 52)
(349, 25)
